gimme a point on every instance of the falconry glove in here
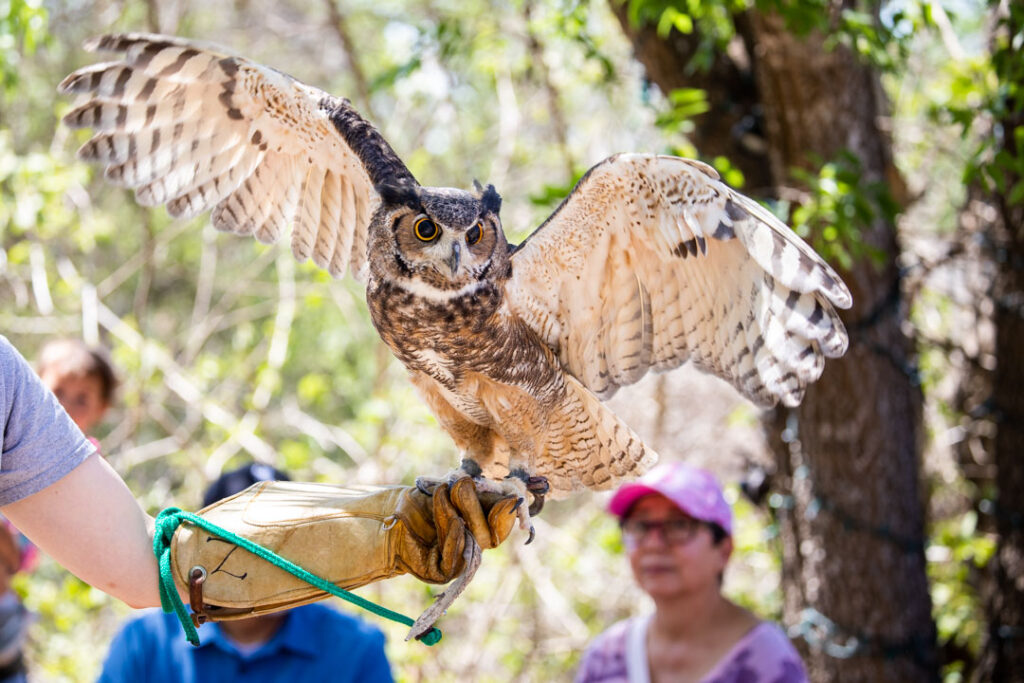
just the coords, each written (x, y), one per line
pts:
(348, 535)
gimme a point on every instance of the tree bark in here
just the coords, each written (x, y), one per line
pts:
(854, 538)
(1003, 652)
(856, 592)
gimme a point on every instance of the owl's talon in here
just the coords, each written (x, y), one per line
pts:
(538, 486)
(426, 485)
(537, 505)
(533, 532)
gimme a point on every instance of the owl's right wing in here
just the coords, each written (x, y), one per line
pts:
(187, 125)
(652, 261)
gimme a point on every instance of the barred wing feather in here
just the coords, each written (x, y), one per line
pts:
(190, 126)
(652, 261)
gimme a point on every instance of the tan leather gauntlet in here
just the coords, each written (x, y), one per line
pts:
(350, 536)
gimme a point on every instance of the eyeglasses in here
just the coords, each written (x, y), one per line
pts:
(676, 531)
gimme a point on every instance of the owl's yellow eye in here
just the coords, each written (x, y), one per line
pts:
(426, 229)
(474, 234)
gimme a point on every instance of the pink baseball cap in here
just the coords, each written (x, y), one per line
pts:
(694, 491)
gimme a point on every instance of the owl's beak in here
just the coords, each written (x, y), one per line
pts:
(456, 255)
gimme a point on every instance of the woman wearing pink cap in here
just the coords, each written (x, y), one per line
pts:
(677, 531)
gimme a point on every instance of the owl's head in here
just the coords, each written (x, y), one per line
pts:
(442, 237)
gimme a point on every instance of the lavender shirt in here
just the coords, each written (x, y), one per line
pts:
(39, 443)
(763, 655)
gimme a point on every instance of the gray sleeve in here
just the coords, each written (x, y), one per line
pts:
(40, 442)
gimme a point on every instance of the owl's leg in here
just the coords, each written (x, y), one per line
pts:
(475, 441)
(468, 468)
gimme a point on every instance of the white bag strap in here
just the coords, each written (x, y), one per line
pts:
(636, 650)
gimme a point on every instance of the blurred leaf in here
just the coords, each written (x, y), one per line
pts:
(672, 18)
(388, 77)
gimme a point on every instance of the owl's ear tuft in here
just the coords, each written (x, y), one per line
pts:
(490, 199)
(399, 194)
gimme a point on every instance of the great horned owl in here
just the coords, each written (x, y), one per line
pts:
(651, 261)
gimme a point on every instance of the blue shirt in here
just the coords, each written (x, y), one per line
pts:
(315, 643)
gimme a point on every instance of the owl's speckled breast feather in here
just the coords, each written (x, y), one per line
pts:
(472, 333)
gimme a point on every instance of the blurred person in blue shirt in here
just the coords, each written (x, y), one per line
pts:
(308, 643)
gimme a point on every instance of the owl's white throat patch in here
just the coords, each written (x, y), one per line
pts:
(423, 290)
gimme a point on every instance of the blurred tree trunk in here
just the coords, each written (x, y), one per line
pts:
(1003, 653)
(856, 591)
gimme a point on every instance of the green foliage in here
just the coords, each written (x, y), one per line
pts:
(22, 31)
(754, 582)
(69, 617)
(672, 18)
(971, 83)
(841, 205)
(551, 195)
(684, 105)
(712, 22)
(574, 21)
(37, 184)
(998, 159)
(880, 39)
(732, 175)
(957, 554)
(677, 120)
(390, 75)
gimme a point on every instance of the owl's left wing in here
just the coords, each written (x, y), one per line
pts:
(652, 261)
(185, 124)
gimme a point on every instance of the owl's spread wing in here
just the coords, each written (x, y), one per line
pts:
(652, 261)
(187, 125)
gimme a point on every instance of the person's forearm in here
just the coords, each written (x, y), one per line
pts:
(90, 523)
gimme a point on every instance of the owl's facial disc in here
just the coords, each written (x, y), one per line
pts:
(446, 241)
(444, 256)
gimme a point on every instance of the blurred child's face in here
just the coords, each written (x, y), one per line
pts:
(81, 396)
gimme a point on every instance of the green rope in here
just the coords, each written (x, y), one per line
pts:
(169, 520)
